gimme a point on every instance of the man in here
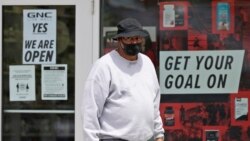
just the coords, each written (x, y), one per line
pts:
(121, 96)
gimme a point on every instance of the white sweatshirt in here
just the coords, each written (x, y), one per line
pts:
(121, 100)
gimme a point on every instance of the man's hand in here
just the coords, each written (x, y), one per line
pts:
(159, 139)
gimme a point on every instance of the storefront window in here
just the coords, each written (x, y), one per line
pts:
(113, 11)
(44, 116)
(200, 49)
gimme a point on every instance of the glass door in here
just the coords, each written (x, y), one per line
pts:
(47, 113)
(43, 71)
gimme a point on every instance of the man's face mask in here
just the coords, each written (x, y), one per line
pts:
(132, 45)
(132, 49)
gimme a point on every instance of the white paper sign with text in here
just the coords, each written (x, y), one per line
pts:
(196, 72)
(54, 82)
(22, 83)
(39, 36)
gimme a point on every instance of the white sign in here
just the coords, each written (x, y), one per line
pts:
(169, 16)
(54, 82)
(39, 36)
(22, 83)
(241, 108)
(196, 72)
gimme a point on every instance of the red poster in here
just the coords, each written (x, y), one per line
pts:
(223, 14)
(197, 41)
(173, 15)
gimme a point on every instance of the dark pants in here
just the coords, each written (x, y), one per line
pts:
(112, 140)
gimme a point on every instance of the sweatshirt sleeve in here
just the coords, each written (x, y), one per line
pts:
(158, 126)
(94, 97)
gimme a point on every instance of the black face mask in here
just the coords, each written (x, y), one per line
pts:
(132, 49)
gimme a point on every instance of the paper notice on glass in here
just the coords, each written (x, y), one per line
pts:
(241, 108)
(22, 83)
(54, 82)
(39, 36)
(169, 16)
